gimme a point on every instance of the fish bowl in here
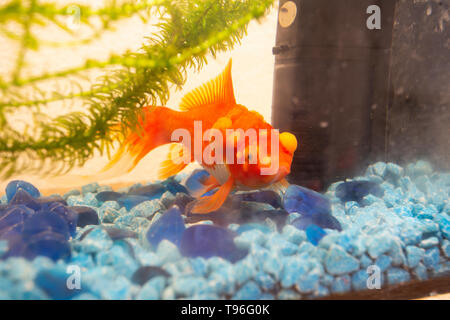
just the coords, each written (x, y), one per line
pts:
(224, 150)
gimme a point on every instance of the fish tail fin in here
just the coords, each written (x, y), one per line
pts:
(156, 125)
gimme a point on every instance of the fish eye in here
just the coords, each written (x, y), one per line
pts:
(289, 141)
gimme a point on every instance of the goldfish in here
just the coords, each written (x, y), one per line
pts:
(235, 158)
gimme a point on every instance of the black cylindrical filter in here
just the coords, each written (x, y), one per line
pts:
(331, 84)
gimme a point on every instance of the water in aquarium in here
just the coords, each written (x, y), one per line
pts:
(233, 149)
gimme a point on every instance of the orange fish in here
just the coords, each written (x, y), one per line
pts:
(234, 158)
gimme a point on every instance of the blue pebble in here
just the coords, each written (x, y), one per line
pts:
(249, 291)
(421, 272)
(394, 170)
(339, 262)
(341, 284)
(431, 258)
(130, 201)
(446, 248)
(13, 186)
(273, 265)
(359, 280)
(326, 280)
(188, 286)
(249, 238)
(95, 241)
(243, 271)
(168, 252)
(148, 292)
(55, 283)
(208, 241)
(294, 235)
(351, 207)
(315, 234)
(414, 256)
(305, 201)
(90, 188)
(396, 253)
(251, 226)
(365, 261)
(199, 266)
(383, 262)
(308, 283)
(265, 281)
(288, 294)
(379, 168)
(397, 275)
(169, 226)
(90, 200)
(429, 243)
(410, 235)
(379, 244)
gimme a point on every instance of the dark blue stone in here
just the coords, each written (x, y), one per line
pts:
(130, 201)
(152, 191)
(3, 208)
(24, 198)
(108, 196)
(314, 233)
(54, 283)
(357, 190)
(266, 196)
(14, 215)
(15, 185)
(173, 186)
(194, 182)
(169, 226)
(305, 201)
(208, 241)
(45, 221)
(67, 213)
(86, 216)
(45, 202)
(145, 273)
(50, 244)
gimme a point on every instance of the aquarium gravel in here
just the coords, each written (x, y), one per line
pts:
(143, 242)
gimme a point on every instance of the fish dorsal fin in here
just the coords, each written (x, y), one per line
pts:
(218, 90)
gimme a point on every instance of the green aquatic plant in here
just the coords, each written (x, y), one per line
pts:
(188, 31)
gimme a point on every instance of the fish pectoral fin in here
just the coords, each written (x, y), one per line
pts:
(174, 163)
(214, 202)
(218, 90)
(208, 184)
